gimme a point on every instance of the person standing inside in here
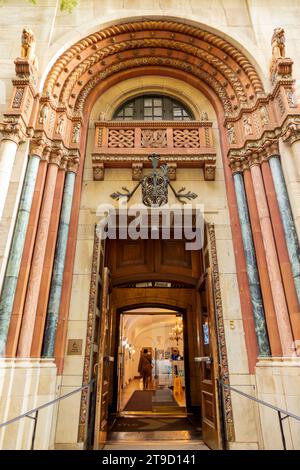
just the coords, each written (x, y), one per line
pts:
(145, 368)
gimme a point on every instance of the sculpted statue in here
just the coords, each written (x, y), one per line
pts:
(231, 134)
(43, 114)
(60, 124)
(278, 44)
(28, 46)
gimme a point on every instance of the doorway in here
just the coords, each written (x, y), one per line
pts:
(145, 281)
(151, 363)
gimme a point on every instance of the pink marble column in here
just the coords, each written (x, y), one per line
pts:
(35, 277)
(277, 289)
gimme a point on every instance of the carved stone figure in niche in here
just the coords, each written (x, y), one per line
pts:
(28, 46)
(204, 116)
(278, 44)
(231, 134)
(291, 98)
(102, 116)
(60, 124)
(76, 133)
(155, 138)
(264, 115)
(247, 125)
(43, 114)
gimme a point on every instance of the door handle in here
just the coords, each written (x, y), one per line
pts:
(206, 359)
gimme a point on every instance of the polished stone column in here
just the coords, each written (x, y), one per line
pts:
(283, 320)
(35, 276)
(265, 285)
(287, 219)
(252, 271)
(41, 312)
(16, 250)
(8, 152)
(58, 269)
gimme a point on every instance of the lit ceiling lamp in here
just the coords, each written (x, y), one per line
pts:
(177, 332)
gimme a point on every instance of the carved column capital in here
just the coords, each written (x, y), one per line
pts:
(73, 162)
(56, 155)
(64, 162)
(238, 163)
(253, 157)
(37, 147)
(12, 129)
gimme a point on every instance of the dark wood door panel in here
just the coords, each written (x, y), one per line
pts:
(159, 259)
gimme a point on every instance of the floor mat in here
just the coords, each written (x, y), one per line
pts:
(154, 424)
(152, 400)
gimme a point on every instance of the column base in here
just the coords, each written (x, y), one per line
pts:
(24, 385)
(278, 383)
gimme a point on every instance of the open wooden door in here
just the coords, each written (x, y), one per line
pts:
(211, 422)
(105, 363)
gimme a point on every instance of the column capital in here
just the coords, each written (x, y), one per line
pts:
(13, 129)
(56, 155)
(37, 147)
(73, 161)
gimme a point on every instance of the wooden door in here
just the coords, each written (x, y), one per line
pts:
(105, 364)
(209, 386)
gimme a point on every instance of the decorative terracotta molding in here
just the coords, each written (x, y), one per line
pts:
(224, 373)
(89, 339)
(129, 143)
(255, 154)
(221, 64)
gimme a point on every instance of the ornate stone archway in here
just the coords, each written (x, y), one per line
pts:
(250, 122)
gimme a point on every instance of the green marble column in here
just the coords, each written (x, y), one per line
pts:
(252, 271)
(16, 250)
(58, 267)
(287, 219)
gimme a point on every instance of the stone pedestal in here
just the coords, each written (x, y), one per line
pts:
(24, 385)
(278, 383)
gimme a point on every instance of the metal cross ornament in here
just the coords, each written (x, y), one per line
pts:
(155, 186)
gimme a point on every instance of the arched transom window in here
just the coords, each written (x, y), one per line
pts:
(153, 108)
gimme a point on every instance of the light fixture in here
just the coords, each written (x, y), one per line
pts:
(176, 333)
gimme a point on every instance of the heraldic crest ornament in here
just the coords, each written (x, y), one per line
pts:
(155, 186)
